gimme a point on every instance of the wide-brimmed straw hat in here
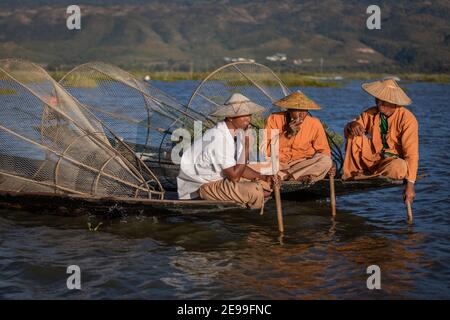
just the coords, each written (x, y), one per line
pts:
(387, 90)
(297, 100)
(237, 105)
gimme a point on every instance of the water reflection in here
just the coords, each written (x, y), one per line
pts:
(230, 255)
(311, 265)
(237, 254)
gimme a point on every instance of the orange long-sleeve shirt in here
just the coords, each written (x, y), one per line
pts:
(402, 135)
(310, 139)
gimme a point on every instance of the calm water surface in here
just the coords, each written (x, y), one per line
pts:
(238, 255)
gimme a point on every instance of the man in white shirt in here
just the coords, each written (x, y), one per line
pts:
(215, 167)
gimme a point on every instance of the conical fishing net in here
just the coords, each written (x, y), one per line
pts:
(50, 143)
(257, 82)
(143, 116)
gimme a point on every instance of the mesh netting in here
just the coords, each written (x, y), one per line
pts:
(50, 143)
(143, 116)
(255, 81)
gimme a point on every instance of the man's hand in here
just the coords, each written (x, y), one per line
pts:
(272, 179)
(332, 171)
(266, 178)
(354, 128)
(295, 124)
(409, 193)
(294, 127)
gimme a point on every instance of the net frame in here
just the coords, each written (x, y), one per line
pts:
(149, 102)
(235, 66)
(89, 131)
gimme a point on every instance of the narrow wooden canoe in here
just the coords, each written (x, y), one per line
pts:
(75, 205)
(294, 190)
(321, 189)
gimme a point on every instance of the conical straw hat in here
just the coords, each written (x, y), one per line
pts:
(238, 105)
(297, 100)
(387, 90)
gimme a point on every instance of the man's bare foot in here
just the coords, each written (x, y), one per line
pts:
(287, 177)
(305, 179)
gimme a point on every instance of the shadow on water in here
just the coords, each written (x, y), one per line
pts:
(220, 255)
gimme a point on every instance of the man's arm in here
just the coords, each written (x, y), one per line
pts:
(241, 169)
(356, 127)
(410, 146)
(235, 173)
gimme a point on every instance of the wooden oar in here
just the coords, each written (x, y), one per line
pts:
(332, 196)
(410, 215)
(279, 209)
(277, 189)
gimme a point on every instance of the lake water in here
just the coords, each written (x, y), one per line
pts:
(237, 255)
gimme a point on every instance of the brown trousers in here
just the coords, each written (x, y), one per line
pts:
(249, 193)
(316, 168)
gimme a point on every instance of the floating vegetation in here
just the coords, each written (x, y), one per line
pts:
(290, 79)
(299, 80)
(76, 81)
(7, 91)
(333, 136)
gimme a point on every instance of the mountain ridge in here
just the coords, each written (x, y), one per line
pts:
(179, 35)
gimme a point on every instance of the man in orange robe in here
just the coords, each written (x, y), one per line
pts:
(304, 153)
(384, 140)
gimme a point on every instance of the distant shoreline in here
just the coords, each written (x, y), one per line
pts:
(291, 79)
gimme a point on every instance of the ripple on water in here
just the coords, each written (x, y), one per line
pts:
(238, 255)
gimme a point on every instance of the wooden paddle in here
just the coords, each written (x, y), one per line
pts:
(332, 196)
(410, 215)
(276, 189)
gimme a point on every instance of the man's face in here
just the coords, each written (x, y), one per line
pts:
(241, 122)
(385, 107)
(298, 115)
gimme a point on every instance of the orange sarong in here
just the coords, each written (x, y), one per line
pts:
(363, 157)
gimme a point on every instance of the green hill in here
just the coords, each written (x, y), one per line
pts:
(178, 35)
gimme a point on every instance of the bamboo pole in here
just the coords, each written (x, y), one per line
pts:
(279, 209)
(332, 196)
(277, 189)
(409, 210)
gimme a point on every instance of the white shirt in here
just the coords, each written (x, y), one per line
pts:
(206, 159)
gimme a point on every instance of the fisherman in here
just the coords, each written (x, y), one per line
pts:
(304, 153)
(384, 140)
(216, 167)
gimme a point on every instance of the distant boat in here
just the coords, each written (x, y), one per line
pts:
(392, 77)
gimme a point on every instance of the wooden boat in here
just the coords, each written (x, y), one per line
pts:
(76, 205)
(109, 207)
(293, 190)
